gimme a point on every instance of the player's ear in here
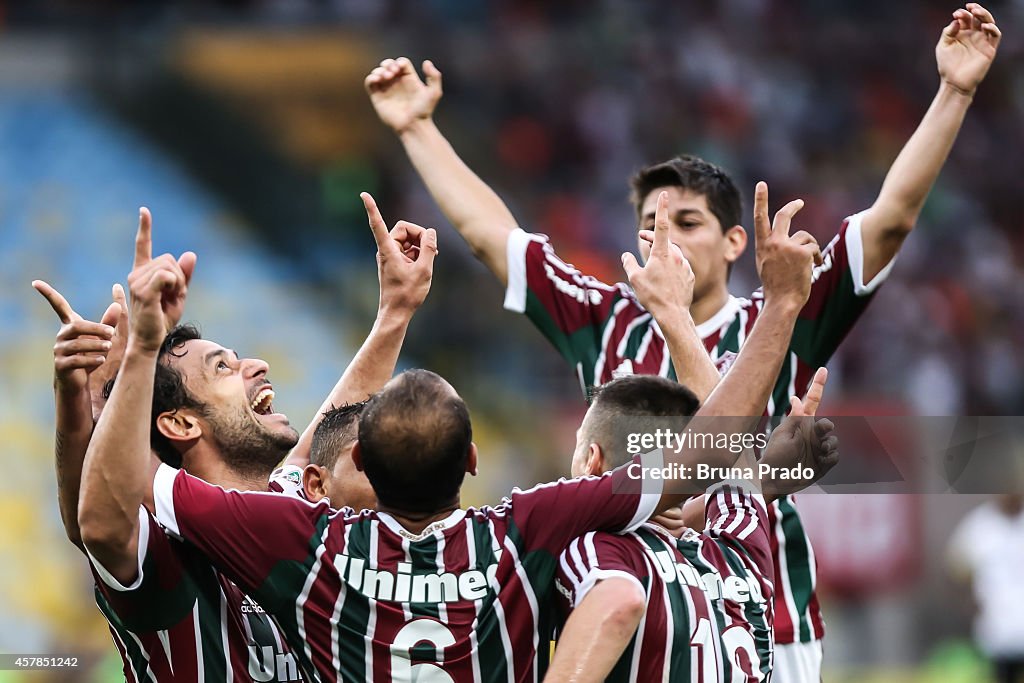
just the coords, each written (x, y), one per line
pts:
(179, 425)
(357, 457)
(471, 460)
(735, 243)
(313, 483)
(595, 465)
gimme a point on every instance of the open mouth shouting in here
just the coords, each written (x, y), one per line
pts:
(262, 403)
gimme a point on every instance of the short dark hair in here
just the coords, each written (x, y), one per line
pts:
(339, 427)
(414, 437)
(169, 392)
(634, 396)
(694, 174)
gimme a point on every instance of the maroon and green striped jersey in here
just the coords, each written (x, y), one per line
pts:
(603, 332)
(181, 620)
(708, 616)
(361, 598)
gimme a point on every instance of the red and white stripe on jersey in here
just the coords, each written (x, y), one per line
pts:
(732, 513)
(360, 595)
(694, 592)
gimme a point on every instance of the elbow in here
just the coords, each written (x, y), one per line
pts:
(69, 518)
(895, 221)
(901, 226)
(488, 240)
(73, 533)
(114, 545)
(91, 533)
(481, 251)
(629, 609)
(98, 533)
(490, 254)
(634, 608)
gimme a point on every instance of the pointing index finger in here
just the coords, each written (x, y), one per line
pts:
(762, 226)
(144, 238)
(377, 224)
(815, 392)
(661, 226)
(57, 302)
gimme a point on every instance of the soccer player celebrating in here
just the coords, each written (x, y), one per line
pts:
(705, 599)
(419, 587)
(172, 616)
(601, 329)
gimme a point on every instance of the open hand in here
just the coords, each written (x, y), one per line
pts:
(398, 95)
(967, 47)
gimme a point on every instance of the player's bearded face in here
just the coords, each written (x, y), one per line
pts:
(238, 410)
(245, 441)
(697, 233)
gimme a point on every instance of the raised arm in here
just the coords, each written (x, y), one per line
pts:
(784, 263)
(82, 360)
(964, 54)
(694, 367)
(117, 477)
(405, 266)
(406, 105)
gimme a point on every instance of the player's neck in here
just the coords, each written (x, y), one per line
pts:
(416, 522)
(703, 308)
(219, 473)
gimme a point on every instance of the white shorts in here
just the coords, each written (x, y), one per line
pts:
(797, 663)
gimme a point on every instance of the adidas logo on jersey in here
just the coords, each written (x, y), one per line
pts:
(249, 606)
